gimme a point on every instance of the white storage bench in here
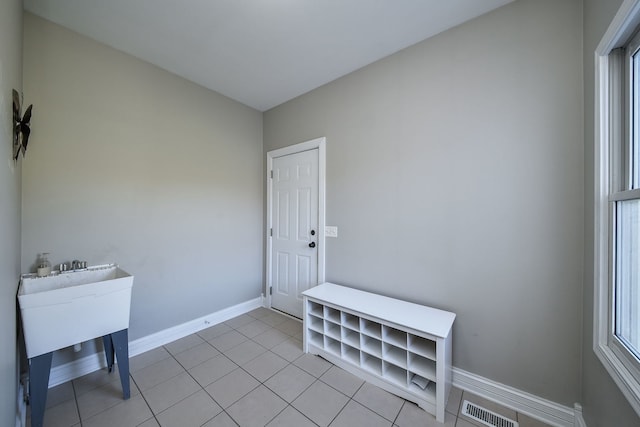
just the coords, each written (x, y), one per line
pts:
(394, 344)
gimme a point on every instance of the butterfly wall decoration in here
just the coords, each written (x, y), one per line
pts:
(21, 129)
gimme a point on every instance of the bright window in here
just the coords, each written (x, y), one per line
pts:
(617, 199)
(627, 275)
(624, 200)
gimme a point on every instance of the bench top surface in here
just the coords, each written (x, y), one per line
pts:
(415, 316)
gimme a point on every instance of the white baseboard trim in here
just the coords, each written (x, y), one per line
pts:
(536, 407)
(580, 422)
(171, 334)
(69, 371)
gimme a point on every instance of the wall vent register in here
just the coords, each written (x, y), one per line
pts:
(485, 416)
(402, 347)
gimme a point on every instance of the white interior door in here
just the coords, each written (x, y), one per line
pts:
(294, 234)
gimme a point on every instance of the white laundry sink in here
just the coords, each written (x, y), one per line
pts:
(66, 308)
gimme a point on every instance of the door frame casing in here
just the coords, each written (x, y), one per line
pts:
(320, 145)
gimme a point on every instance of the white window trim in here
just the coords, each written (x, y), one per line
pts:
(624, 23)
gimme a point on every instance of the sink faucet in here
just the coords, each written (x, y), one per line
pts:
(73, 265)
(77, 265)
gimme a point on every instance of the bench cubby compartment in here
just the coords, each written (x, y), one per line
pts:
(391, 343)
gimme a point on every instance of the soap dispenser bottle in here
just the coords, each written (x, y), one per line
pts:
(44, 266)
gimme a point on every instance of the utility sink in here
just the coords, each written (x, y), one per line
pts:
(66, 308)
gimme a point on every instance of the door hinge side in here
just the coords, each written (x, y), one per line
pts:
(272, 174)
(270, 290)
(271, 232)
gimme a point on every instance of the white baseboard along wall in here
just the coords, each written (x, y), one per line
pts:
(544, 410)
(68, 371)
(536, 407)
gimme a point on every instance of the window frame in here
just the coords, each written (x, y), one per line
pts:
(611, 130)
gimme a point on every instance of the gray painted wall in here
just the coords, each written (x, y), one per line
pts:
(131, 164)
(604, 405)
(455, 176)
(10, 78)
(466, 144)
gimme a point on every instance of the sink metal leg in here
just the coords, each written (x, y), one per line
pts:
(119, 343)
(108, 351)
(39, 369)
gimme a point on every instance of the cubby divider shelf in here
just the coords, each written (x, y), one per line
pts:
(402, 347)
(395, 355)
(394, 336)
(350, 321)
(423, 346)
(394, 374)
(351, 337)
(332, 314)
(372, 346)
(371, 329)
(422, 366)
(332, 345)
(372, 364)
(316, 338)
(316, 309)
(350, 354)
(315, 324)
(332, 330)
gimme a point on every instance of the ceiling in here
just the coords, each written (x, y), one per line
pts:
(260, 52)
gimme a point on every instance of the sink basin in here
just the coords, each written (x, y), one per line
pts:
(66, 308)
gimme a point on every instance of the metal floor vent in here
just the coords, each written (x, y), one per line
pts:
(486, 416)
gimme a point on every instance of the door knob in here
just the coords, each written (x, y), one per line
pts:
(312, 244)
(313, 232)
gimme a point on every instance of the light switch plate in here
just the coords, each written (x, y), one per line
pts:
(330, 231)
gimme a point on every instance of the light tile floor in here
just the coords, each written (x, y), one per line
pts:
(247, 371)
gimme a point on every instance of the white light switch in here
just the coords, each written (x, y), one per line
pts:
(330, 231)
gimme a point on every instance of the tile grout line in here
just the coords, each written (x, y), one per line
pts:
(339, 412)
(75, 399)
(145, 401)
(276, 415)
(171, 355)
(393, 423)
(350, 398)
(272, 328)
(200, 385)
